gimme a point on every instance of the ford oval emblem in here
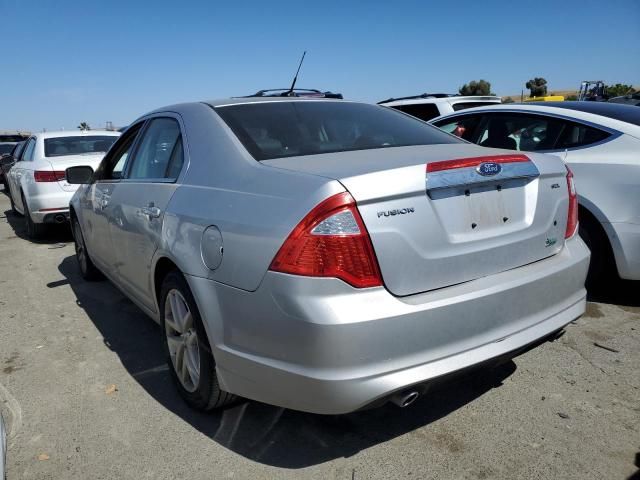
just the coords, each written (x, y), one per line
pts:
(488, 169)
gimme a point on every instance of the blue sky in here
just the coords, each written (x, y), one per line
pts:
(66, 62)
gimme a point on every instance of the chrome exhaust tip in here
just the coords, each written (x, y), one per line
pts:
(404, 399)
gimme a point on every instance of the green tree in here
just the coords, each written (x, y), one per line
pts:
(537, 86)
(475, 88)
(84, 126)
(507, 100)
(619, 89)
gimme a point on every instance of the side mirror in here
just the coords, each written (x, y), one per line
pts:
(79, 175)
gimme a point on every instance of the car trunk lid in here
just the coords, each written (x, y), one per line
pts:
(61, 163)
(444, 214)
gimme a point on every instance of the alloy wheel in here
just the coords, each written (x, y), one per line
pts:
(182, 340)
(81, 251)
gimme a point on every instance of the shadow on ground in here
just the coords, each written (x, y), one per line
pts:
(263, 433)
(54, 233)
(618, 292)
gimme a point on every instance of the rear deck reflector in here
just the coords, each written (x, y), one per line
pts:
(474, 162)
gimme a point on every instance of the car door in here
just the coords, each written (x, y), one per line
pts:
(138, 203)
(95, 201)
(20, 170)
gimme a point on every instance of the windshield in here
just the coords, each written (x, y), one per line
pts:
(285, 129)
(61, 146)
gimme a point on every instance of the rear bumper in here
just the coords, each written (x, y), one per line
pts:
(45, 204)
(320, 346)
(625, 241)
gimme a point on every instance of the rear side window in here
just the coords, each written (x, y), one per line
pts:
(423, 111)
(284, 129)
(61, 146)
(576, 135)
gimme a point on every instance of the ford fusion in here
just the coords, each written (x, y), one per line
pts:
(324, 255)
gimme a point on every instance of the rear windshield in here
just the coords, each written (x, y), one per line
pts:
(60, 146)
(12, 138)
(6, 148)
(464, 105)
(285, 129)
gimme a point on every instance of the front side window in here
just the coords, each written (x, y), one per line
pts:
(78, 145)
(18, 150)
(463, 126)
(286, 129)
(113, 164)
(28, 151)
(159, 154)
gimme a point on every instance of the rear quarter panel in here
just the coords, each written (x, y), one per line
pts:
(608, 179)
(254, 206)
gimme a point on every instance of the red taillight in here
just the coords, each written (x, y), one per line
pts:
(331, 241)
(49, 176)
(572, 216)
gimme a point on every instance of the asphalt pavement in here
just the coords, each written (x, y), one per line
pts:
(86, 395)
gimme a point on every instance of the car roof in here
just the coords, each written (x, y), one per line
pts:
(560, 109)
(75, 133)
(242, 100)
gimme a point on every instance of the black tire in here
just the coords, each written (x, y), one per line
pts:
(13, 206)
(34, 230)
(602, 268)
(206, 395)
(86, 266)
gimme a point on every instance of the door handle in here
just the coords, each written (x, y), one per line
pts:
(151, 211)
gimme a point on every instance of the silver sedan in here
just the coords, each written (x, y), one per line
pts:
(325, 255)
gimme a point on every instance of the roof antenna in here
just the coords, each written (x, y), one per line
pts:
(295, 79)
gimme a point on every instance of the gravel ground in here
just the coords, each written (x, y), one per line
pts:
(86, 395)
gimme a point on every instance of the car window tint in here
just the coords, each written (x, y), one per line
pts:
(576, 135)
(176, 161)
(153, 156)
(28, 151)
(6, 148)
(77, 145)
(423, 111)
(464, 105)
(519, 132)
(18, 150)
(114, 162)
(286, 129)
(464, 126)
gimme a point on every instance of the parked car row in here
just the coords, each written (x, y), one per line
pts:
(35, 175)
(327, 255)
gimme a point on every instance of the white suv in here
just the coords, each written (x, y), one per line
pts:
(432, 105)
